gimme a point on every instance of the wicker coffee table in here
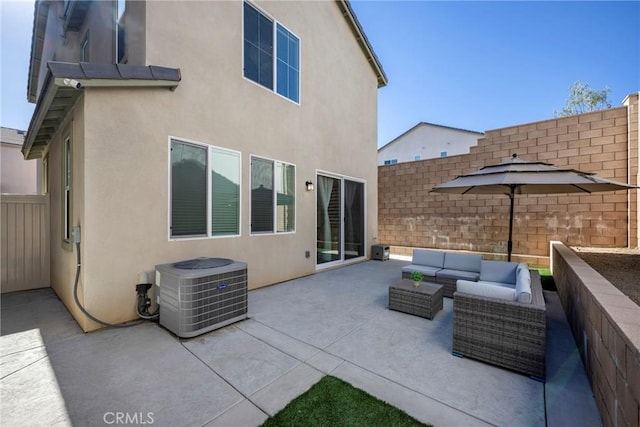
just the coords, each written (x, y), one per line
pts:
(424, 300)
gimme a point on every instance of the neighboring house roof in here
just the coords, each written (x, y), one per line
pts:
(427, 124)
(12, 136)
(63, 85)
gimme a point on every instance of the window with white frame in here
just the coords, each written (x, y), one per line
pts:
(271, 54)
(67, 180)
(120, 31)
(273, 189)
(205, 191)
(45, 175)
(84, 48)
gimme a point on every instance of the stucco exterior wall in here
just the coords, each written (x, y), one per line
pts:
(123, 201)
(428, 141)
(63, 255)
(19, 176)
(599, 142)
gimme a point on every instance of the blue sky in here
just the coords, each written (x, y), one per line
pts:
(473, 65)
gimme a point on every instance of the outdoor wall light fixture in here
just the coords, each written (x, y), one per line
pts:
(309, 185)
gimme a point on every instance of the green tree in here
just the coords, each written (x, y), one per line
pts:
(583, 99)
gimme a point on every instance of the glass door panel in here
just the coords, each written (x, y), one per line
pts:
(353, 219)
(329, 224)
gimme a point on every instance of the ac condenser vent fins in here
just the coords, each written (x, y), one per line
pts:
(199, 295)
(200, 263)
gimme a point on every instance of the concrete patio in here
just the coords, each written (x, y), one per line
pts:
(334, 322)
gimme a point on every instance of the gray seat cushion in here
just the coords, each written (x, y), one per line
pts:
(498, 271)
(458, 274)
(424, 269)
(523, 285)
(462, 262)
(428, 258)
(486, 290)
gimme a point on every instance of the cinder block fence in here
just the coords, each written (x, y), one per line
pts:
(603, 142)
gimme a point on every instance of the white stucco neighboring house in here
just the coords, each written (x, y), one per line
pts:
(18, 176)
(427, 141)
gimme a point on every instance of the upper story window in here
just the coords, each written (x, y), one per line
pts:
(443, 154)
(416, 157)
(120, 31)
(84, 48)
(391, 162)
(271, 54)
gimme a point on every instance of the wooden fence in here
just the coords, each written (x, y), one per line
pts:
(24, 236)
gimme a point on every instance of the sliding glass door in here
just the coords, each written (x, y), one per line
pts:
(353, 219)
(340, 219)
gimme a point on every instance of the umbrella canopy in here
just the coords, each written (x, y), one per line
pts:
(517, 176)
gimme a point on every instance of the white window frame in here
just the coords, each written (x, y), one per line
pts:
(276, 182)
(118, 22)
(275, 54)
(45, 174)
(85, 53)
(67, 188)
(209, 149)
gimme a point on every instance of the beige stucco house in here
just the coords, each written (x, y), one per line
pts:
(18, 176)
(174, 130)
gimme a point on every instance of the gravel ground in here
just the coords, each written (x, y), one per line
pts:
(620, 266)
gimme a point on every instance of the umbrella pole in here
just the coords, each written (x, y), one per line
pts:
(510, 242)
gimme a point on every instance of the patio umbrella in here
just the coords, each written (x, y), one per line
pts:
(517, 176)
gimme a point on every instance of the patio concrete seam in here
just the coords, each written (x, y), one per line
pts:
(23, 350)
(411, 389)
(276, 379)
(342, 362)
(346, 334)
(231, 408)
(24, 367)
(219, 376)
(284, 334)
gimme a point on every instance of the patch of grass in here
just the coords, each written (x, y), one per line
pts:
(333, 402)
(547, 279)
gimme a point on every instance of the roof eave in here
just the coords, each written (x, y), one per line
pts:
(80, 84)
(41, 10)
(360, 36)
(58, 97)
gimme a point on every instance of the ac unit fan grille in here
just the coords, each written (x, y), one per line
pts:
(206, 301)
(195, 301)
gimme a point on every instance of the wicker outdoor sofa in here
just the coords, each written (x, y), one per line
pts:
(503, 332)
(444, 268)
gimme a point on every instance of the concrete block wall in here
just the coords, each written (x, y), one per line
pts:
(606, 326)
(600, 142)
(633, 126)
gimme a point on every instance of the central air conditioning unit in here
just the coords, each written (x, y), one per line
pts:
(199, 295)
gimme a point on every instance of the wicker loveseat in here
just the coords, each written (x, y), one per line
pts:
(504, 327)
